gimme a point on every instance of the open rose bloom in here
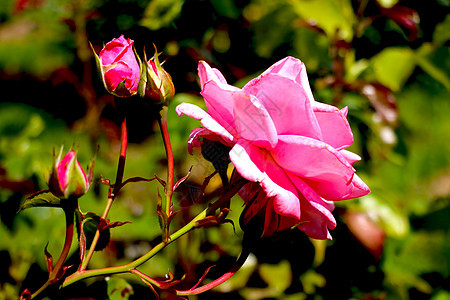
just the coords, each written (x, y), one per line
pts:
(290, 147)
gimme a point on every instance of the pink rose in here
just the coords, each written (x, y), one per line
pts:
(67, 178)
(119, 65)
(289, 146)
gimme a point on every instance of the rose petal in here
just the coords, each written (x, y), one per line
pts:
(256, 164)
(63, 169)
(112, 50)
(350, 156)
(206, 74)
(273, 221)
(334, 125)
(254, 124)
(206, 120)
(291, 68)
(219, 96)
(196, 133)
(119, 73)
(321, 166)
(359, 188)
(316, 212)
(194, 138)
(287, 104)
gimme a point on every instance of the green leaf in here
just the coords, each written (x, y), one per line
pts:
(333, 16)
(393, 66)
(422, 252)
(278, 277)
(226, 8)
(393, 222)
(428, 56)
(354, 68)
(434, 71)
(442, 32)
(42, 198)
(118, 288)
(312, 280)
(90, 224)
(313, 57)
(272, 30)
(161, 13)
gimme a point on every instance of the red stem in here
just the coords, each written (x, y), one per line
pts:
(117, 186)
(239, 263)
(67, 243)
(69, 214)
(123, 155)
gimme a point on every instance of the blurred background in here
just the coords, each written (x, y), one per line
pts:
(387, 60)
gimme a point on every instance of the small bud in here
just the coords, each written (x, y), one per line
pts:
(119, 68)
(405, 17)
(158, 83)
(67, 178)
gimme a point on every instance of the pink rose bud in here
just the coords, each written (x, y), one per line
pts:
(119, 67)
(67, 178)
(405, 17)
(159, 86)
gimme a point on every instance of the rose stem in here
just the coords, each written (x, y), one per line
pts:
(169, 154)
(239, 263)
(83, 274)
(112, 196)
(69, 215)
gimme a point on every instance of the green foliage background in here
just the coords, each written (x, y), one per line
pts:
(390, 66)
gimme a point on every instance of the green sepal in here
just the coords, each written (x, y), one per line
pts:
(143, 79)
(121, 91)
(53, 181)
(42, 198)
(99, 66)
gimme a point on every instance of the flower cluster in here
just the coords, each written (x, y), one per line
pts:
(290, 147)
(125, 75)
(288, 150)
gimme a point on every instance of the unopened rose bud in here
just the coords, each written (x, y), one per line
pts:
(67, 178)
(405, 17)
(158, 86)
(119, 67)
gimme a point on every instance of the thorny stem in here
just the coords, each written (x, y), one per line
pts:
(83, 274)
(169, 154)
(112, 196)
(69, 215)
(239, 263)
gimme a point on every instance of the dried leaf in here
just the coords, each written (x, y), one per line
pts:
(182, 179)
(161, 181)
(49, 260)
